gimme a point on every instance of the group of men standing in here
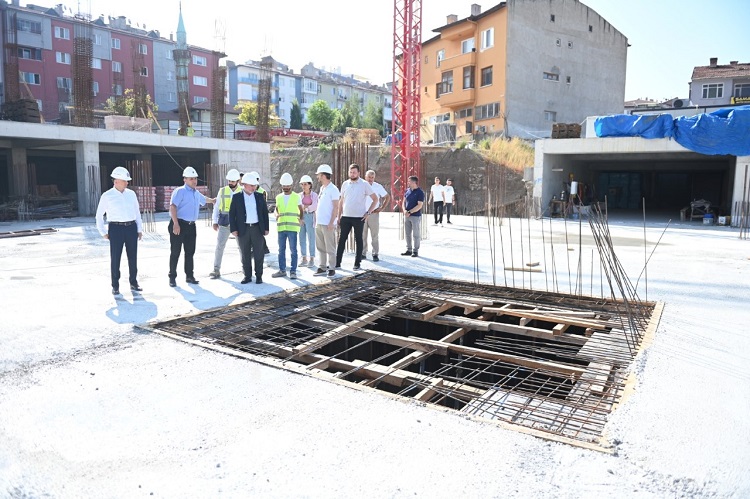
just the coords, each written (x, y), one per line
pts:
(442, 196)
(241, 210)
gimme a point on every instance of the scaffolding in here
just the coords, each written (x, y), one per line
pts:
(82, 73)
(140, 94)
(10, 68)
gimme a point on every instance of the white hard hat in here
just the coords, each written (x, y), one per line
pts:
(305, 179)
(324, 169)
(255, 175)
(250, 180)
(120, 173)
(233, 175)
(286, 179)
(190, 172)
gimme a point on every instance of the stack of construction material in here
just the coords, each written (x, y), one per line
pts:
(48, 191)
(164, 195)
(25, 110)
(146, 197)
(369, 136)
(566, 131)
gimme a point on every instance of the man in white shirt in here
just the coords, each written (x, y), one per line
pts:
(125, 227)
(437, 200)
(353, 213)
(450, 199)
(372, 223)
(325, 221)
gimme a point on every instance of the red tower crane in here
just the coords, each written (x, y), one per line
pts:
(407, 49)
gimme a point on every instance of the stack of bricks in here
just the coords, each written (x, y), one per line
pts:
(164, 195)
(146, 197)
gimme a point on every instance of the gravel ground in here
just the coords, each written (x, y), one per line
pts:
(91, 407)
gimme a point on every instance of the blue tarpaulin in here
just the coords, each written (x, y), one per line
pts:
(725, 131)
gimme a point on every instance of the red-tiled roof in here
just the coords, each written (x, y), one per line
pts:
(739, 70)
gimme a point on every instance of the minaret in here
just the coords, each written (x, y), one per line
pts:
(182, 62)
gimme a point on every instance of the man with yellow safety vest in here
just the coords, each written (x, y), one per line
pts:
(220, 218)
(288, 219)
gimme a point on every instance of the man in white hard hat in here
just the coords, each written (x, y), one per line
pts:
(248, 222)
(288, 218)
(353, 212)
(125, 227)
(325, 222)
(184, 207)
(372, 223)
(220, 218)
(262, 192)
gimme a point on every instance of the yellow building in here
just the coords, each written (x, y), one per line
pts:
(517, 68)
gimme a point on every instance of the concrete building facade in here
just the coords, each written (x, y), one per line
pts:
(519, 67)
(720, 84)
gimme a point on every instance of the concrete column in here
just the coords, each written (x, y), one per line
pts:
(740, 185)
(19, 172)
(89, 177)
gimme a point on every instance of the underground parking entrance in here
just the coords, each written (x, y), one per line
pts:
(549, 364)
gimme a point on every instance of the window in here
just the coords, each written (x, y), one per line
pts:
(487, 111)
(95, 88)
(201, 81)
(142, 48)
(464, 113)
(62, 57)
(558, 42)
(551, 18)
(567, 80)
(486, 76)
(467, 46)
(446, 84)
(570, 45)
(488, 38)
(551, 76)
(171, 97)
(144, 71)
(97, 39)
(198, 100)
(64, 82)
(713, 90)
(170, 75)
(29, 26)
(199, 60)
(116, 67)
(117, 89)
(439, 57)
(96, 63)
(29, 53)
(468, 77)
(550, 116)
(742, 89)
(31, 78)
(591, 28)
(116, 43)
(63, 33)
(170, 54)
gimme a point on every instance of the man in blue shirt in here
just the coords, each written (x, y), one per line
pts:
(184, 207)
(412, 205)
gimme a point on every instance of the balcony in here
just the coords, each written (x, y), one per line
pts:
(456, 97)
(459, 61)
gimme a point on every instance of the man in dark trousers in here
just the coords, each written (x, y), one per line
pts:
(248, 222)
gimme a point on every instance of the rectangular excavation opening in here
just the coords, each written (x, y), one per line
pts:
(548, 363)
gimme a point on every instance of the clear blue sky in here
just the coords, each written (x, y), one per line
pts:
(667, 37)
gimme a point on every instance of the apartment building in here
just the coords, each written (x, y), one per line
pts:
(123, 52)
(720, 84)
(517, 68)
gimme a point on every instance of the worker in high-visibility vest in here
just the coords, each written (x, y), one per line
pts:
(289, 213)
(220, 218)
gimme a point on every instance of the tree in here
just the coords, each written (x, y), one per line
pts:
(373, 117)
(320, 116)
(249, 115)
(295, 120)
(124, 105)
(347, 116)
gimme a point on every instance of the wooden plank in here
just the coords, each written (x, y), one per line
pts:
(559, 329)
(534, 315)
(537, 333)
(429, 391)
(347, 328)
(436, 310)
(468, 307)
